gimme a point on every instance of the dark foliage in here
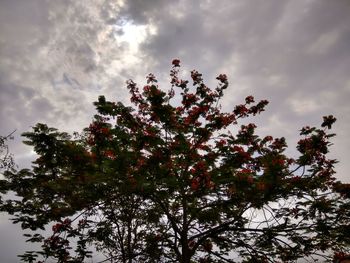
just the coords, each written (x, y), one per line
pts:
(167, 181)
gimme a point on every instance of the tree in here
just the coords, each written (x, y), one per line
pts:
(167, 181)
(6, 158)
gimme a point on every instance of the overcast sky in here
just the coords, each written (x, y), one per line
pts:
(56, 57)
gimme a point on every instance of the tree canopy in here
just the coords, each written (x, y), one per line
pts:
(173, 178)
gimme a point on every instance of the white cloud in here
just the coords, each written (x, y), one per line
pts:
(303, 105)
(324, 43)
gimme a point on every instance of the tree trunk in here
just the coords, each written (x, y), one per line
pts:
(185, 259)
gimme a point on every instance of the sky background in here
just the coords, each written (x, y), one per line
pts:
(57, 57)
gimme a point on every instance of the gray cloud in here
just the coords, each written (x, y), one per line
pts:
(60, 51)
